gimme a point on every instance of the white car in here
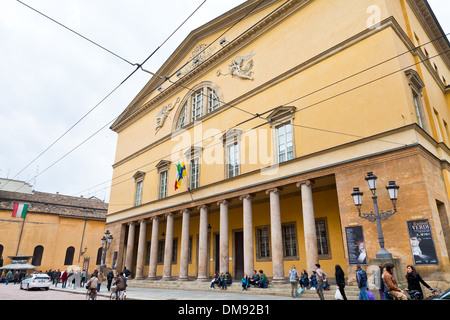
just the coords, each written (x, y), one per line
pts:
(36, 280)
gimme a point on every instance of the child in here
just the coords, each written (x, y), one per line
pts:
(313, 281)
(245, 283)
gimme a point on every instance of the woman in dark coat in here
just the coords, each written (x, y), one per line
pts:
(340, 280)
(414, 280)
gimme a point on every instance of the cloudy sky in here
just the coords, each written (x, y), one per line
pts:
(54, 121)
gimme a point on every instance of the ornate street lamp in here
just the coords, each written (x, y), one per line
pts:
(392, 189)
(106, 243)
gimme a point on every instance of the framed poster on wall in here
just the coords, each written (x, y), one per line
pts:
(421, 240)
(356, 246)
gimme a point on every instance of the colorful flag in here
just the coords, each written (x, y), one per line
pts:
(181, 173)
(19, 210)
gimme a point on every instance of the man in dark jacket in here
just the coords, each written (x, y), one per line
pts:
(361, 278)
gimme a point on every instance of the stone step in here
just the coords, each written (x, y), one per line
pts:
(351, 292)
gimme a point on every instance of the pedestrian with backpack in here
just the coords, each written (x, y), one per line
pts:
(361, 279)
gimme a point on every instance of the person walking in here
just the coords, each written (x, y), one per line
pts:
(293, 278)
(109, 279)
(391, 283)
(57, 277)
(340, 280)
(414, 280)
(100, 277)
(9, 276)
(64, 278)
(321, 277)
(361, 279)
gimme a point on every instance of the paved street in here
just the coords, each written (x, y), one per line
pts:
(12, 292)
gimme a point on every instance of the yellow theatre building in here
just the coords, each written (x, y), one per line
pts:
(279, 112)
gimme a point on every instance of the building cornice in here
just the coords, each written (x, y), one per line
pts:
(135, 110)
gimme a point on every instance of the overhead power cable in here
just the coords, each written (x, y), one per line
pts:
(108, 95)
(265, 123)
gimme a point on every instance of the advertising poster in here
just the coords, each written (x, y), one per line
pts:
(421, 240)
(356, 245)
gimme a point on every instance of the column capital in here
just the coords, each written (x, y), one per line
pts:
(225, 201)
(307, 182)
(204, 206)
(276, 190)
(169, 214)
(154, 218)
(247, 196)
(188, 211)
(142, 220)
(131, 223)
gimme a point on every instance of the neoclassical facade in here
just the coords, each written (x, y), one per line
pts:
(277, 111)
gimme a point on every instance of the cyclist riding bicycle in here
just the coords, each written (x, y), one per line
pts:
(91, 285)
(119, 282)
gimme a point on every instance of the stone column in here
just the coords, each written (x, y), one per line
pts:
(276, 235)
(203, 244)
(184, 255)
(224, 244)
(249, 250)
(309, 225)
(154, 249)
(168, 249)
(130, 245)
(141, 250)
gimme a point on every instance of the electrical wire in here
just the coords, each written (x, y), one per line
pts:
(108, 95)
(273, 120)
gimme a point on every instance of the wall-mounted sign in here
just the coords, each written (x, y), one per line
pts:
(356, 245)
(421, 240)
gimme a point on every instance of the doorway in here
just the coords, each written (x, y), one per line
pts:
(238, 251)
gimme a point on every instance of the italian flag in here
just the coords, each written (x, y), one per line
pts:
(19, 210)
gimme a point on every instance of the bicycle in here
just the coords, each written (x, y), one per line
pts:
(91, 294)
(122, 295)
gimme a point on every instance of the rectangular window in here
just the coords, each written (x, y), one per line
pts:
(289, 241)
(323, 244)
(197, 105)
(163, 184)
(263, 243)
(284, 143)
(138, 196)
(194, 174)
(161, 249)
(417, 106)
(233, 160)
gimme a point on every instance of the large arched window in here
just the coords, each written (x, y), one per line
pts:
(70, 252)
(204, 98)
(37, 256)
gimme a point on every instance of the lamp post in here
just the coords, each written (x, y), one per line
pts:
(378, 215)
(106, 243)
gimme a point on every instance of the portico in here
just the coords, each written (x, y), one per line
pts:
(192, 230)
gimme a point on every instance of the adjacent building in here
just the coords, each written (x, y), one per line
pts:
(57, 231)
(268, 117)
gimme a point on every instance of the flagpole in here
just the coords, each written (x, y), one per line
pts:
(20, 236)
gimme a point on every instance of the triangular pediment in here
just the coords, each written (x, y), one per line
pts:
(181, 64)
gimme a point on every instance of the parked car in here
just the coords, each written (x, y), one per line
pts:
(36, 280)
(442, 296)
